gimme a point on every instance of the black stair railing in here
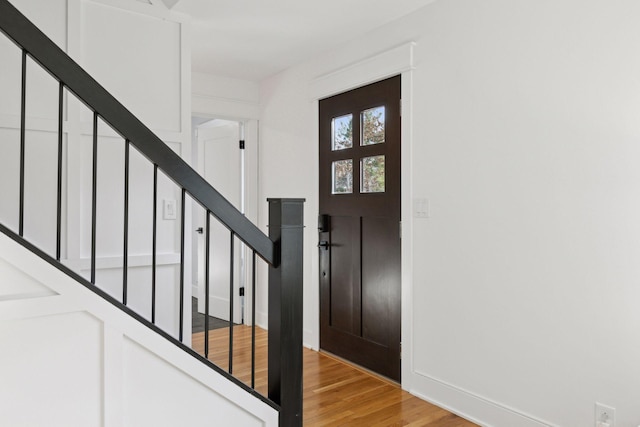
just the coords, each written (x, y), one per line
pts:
(281, 250)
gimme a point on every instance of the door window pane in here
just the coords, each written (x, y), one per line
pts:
(342, 176)
(372, 174)
(342, 132)
(372, 124)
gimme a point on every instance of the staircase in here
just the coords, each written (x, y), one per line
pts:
(50, 280)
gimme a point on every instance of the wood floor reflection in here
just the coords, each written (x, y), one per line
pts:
(335, 393)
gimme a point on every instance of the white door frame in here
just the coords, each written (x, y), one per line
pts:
(398, 60)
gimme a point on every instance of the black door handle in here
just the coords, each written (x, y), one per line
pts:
(323, 244)
(200, 230)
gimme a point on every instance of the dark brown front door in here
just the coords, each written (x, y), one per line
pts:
(360, 245)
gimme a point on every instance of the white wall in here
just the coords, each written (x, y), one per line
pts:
(224, 97)
(71, 359)
(140, 54)
(520, 309)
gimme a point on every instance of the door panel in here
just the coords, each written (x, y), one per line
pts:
(380, 264)
(344, 250)
(360, 192)
(220, 164)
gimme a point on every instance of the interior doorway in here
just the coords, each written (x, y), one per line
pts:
(220, 159)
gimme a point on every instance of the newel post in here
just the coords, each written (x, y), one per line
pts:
(285, 310)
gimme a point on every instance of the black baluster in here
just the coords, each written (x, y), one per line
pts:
(206, 286)
(155, 241)
(125, 249)
(182, 230)
(94, 198)
(23, 125)
(59, 200)
(231, 257)
(253, 320)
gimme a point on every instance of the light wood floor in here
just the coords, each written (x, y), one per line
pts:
(335, 393)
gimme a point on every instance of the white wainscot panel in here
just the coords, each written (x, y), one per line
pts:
(140, 204)
(16, 284)
(51, 370)
(110, 199)
(41, 88)
(136, 58)
(42, 95)
(9, 176)
(139, 291)
(10, 77)
(150, 382)
(41, 189)
(50, 16)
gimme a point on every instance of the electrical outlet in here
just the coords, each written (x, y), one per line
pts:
(605, 415)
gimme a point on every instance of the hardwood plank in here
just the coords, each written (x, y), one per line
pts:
(335, 393)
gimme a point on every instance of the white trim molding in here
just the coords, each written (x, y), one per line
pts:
(377, 67)
(486, 412)
(153, 8)
(223, 108)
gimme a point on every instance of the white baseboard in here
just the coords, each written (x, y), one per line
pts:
(262, 320)
(462, 402)
(308, 339)
(219, 307)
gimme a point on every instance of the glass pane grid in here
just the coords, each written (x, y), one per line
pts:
(342, 176)
(342, 132)
(372, 174)
(372, 123)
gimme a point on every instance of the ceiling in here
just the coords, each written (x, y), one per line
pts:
(254, 39)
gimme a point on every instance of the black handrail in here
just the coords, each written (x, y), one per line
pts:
(40, 48)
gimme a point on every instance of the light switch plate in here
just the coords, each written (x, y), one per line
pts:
(605, 414)
(169, 209)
